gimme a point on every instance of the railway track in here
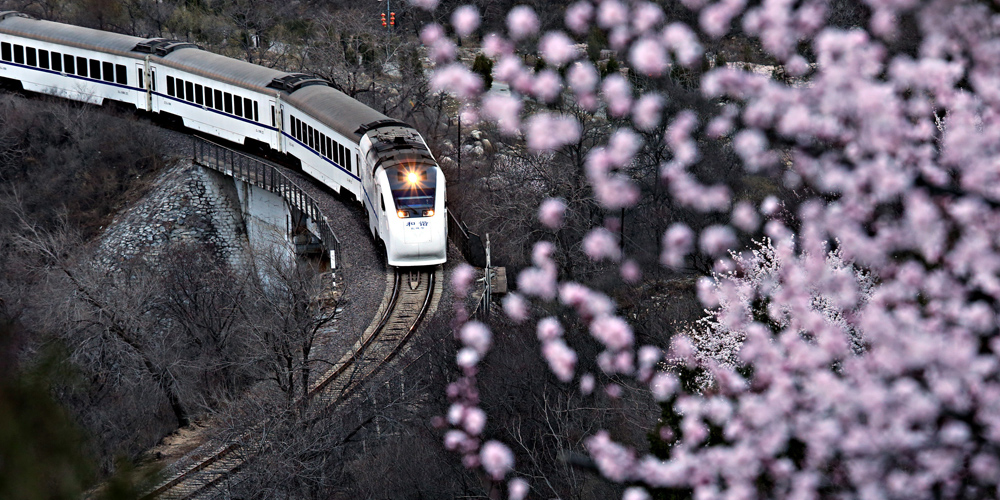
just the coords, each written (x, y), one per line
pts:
(410, 295)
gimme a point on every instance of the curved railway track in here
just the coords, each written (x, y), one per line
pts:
(408, 299)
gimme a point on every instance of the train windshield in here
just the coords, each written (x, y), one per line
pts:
(413, 189)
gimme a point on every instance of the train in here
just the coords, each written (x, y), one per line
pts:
(383, 163)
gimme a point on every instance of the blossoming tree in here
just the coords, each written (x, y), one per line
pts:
(857, 354)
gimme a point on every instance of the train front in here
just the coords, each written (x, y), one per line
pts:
(416, 222)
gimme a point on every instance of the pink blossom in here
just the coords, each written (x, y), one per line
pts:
(614, 391)
(648, 57)
(495, 46)
(515, 307)
(457, 79)
(663, 386)
(600, 244)
(549, 131)
(631, 272)
(497, 459)
(635, 493)
(538, 281)
(618, 95)
(550, 213)
(679, 38)
(612, 331)
(578, 16)
(646, 112)
(547, 86)
(614, 460)
(745, 217)
(504, 110)
(465, 20)
(522, 22)
(474, 421)
(677, 244)
(549, 329)
(646, 16)
(425, 4)
(557, 48)
(431, 33)
(715, 18)
(453, 439)
(561, 359)
(467, 358)
(518, 489)
(443, 51)
(611, 13)
(769, 206)
(586, 384)
(461, 278)
(477, 336)
(583, 77)
(622, 146)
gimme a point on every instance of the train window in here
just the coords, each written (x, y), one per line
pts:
(381, 200)
(95, 69)
(19, 54)
(69, 67)
(340, 154)
(108, 72)
(32, 56)
(256, 117)
(309, 136)
(142, 82)
(329, 147)
(189, 91)
(239, 106)
(218, 99)
(229, 102)
(208, 98)
(81, 66)
(316, 139)
(170, 86)
(56, 61)
(247, 108)
(6, 53)
(274, 122)
(121, 75)
(43, 59)
(180, 88)
(152, 80)
(198, 89)
(347, 158)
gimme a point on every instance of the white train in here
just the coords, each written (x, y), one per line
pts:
(383, 163)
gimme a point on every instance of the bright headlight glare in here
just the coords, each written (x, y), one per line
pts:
(402, 214)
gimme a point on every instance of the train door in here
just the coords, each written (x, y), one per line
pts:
(275, 109)
(143, 100)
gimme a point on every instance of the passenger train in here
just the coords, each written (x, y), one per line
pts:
(383, 163)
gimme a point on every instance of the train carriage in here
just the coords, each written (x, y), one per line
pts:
(342, 143)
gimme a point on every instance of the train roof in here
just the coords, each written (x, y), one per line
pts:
(343, 113)
(18, 24)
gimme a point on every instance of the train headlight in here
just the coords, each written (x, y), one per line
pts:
(412, 177)
(402, 214)
(428, 213)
